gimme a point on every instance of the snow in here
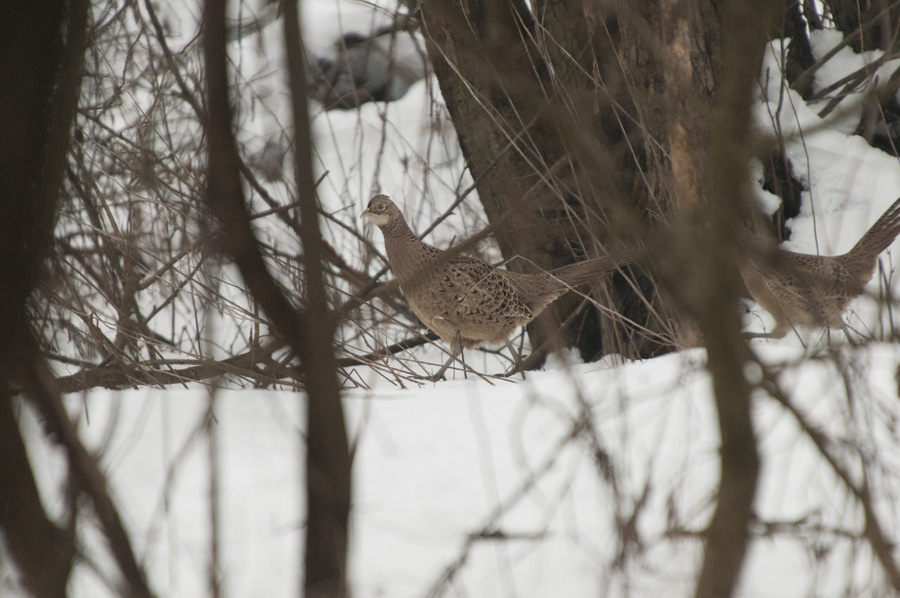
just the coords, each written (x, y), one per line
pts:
(842, 64)
(437, 464)
(512, 460)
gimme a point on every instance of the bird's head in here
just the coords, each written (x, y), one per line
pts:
(381, 210)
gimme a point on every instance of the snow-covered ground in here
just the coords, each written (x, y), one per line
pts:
(470, 488)
(582, 480)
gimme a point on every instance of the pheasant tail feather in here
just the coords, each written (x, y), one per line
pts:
(589, 270)
(879, 237)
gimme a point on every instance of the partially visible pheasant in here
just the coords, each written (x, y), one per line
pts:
(464, 300)
(814, 291)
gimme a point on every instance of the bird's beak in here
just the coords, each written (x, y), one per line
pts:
(375, 218)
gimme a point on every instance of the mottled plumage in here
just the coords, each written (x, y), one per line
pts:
(462, 299)
(814, 291)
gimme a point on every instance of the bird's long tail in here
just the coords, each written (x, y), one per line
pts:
(879, 236)
(589, 270)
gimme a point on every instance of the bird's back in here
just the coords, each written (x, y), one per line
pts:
(467, 302)
(491, 302)
(462, 299)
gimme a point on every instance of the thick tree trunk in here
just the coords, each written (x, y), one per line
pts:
(550, 126)
(41, 46)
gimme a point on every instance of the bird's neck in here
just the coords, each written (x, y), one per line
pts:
(405, 251)
(396, 228)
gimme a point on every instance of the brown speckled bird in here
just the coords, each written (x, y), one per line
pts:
(465, 301)
(814, 291)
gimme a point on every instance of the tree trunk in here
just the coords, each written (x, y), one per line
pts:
(41, 45)
(551, 130)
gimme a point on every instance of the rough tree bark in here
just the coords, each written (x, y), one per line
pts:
(39, 71)
(565, 112)
(522, 88)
